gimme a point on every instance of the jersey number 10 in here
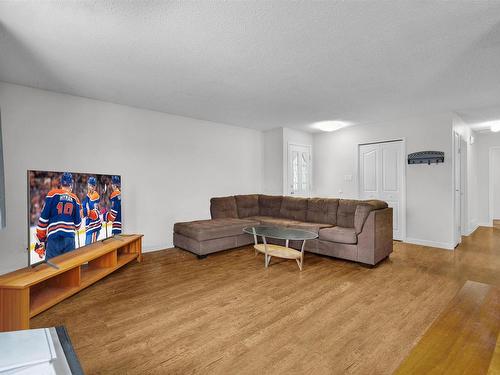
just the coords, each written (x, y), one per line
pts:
(66, 208)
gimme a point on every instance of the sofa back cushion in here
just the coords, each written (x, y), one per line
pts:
(322, 210)
(363, 210)
(247, 205)
(223, 207)
(345, 213)
(270, 205)
(294, 208)
(360, 216)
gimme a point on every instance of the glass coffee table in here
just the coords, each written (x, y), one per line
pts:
(278, 251)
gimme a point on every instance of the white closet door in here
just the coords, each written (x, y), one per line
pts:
(369, 171)
(381, 177)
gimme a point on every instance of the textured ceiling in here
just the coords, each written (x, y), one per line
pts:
(260, 64)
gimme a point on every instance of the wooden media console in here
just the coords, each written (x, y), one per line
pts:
(29, 291)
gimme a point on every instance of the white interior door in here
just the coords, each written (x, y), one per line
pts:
(299, 170)
(457, 190)
(381, 176)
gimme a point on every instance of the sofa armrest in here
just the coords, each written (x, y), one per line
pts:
(375, 240)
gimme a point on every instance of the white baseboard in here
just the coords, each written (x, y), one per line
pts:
(440, 245)
(485, 225)
(150, 248)
(472, 230)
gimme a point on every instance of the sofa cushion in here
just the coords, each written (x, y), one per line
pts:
(338, 234)
(273, 221)
(202, 230)
(363, 210)
(223, 207)
(311, 227)
(360, 216)
(270, 205)
(345, 213)
(294, 208)
(322, 210)
(247, 205)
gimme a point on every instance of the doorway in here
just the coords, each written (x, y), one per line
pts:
(457, 188)
(494, 184)
(299, 170)
(381, 176)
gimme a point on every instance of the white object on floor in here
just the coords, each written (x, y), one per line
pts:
(27, 352)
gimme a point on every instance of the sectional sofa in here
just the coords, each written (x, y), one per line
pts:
(356, 230)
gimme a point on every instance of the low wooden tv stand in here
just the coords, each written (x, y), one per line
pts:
(29, 291)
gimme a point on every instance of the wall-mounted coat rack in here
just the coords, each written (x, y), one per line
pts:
(426, 157)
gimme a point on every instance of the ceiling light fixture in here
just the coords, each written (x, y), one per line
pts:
(495, 126)
(330, 126)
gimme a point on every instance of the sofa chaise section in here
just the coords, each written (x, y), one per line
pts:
(355, 230)
(203, 237)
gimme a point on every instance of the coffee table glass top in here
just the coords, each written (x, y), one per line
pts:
(280, 232)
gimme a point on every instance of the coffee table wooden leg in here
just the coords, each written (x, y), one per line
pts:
(267, 258)
(256, 242)
(300, 262)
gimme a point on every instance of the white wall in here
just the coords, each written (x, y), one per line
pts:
(170, 165)
(2, 184)
(273, 162)
(485, 142)
(496, 183)
(429, 215)
(275, 166)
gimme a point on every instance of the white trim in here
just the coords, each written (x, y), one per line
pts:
(150, 248)
(470, 231)
(490, 184)
(404, 170)
(456, 162)
(403, 205)
(488, 225)
(439, 245)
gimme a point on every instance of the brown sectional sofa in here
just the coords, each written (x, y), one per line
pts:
(360, 231)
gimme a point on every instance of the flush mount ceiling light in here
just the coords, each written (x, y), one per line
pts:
(330, 126)
(495, 126)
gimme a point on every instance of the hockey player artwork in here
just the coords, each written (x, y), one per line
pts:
(68, 210)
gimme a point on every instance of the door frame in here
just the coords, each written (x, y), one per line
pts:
(286, 189)
(490, 183)
(457, 167)
(403, 187)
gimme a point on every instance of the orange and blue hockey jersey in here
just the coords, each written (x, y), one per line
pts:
(60, 215)
(91, 212)
(115, 214)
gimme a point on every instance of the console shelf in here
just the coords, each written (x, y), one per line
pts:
(29, 291)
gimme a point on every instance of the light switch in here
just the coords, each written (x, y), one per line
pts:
(348, 178)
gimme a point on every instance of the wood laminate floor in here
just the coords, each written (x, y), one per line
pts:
(227, 314)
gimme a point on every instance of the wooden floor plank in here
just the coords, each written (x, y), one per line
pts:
(494, 368)
(228, 314)
(463, 339)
